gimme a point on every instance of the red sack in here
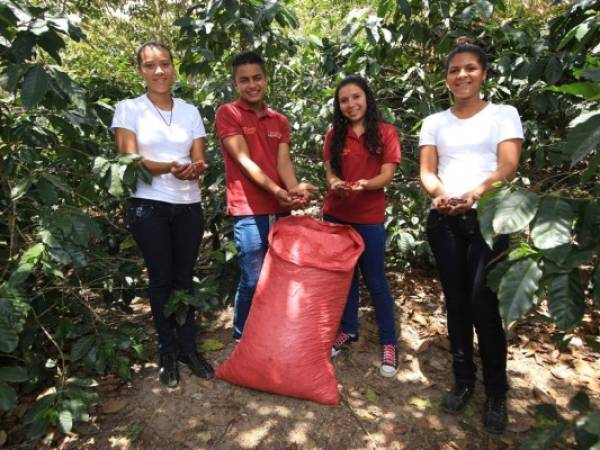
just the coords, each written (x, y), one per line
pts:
(296, 311)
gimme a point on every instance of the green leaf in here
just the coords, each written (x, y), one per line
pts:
(82, 346)
(46, 192)
(100, 167)
(21, 188)
(580, 402)
(546, 415)
(65, 421)
(588, 225)
(372, 395)
(566, 301)
(405, 242)
(517, 290)
(486, 209)
(544, 438)
(589, 91)
(13, 374)
(496, 274)
(423, 403)
(35, 86)
(211, 345)
(591, 74)
(134, 430)
(8, 397)
(33, 253)
(553, 71)
(536, 70)
(522, 251)
(52, 43)
(592, 423)
(20, 275)
(583, 136)
(57, 182)
(515, 211)
(116, 180)
(481, 9)
(122, 366)
(82, 382)
(553, 223)
(22, 46)
(12, 76)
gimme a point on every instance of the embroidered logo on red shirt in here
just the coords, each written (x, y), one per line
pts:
(274, 134)
(249, 130)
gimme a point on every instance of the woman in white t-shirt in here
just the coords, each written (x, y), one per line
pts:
(463, 151)
(165, 216)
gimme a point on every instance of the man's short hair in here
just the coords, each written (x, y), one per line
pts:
(247, 58)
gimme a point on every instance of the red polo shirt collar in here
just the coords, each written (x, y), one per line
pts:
(246, 107)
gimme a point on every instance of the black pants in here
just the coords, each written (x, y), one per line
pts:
(463, 258)
(169, 237)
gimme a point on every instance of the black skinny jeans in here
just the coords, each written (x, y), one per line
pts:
(169, 237)
(463, 258)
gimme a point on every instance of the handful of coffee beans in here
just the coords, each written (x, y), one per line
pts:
(451, 202)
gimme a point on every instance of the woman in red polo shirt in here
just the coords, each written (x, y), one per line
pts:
(361, 154)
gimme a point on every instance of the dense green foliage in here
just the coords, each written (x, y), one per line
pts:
(69, 268)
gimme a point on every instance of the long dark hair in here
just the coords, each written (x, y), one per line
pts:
(372, 136)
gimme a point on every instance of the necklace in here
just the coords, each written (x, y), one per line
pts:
(160, 114)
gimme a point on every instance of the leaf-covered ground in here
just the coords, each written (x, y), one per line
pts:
(399, 413)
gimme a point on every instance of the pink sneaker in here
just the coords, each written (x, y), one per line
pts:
(343, 340)
(389, 360)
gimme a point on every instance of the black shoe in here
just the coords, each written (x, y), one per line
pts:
(496, 415)
(169, 371)
(456, 400)
(197, 364)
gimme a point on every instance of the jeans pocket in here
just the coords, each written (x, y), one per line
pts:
(138, 214)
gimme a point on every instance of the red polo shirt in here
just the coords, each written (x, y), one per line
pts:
(367, 207)
(263, 136)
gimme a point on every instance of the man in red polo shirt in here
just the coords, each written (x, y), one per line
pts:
(260, 178)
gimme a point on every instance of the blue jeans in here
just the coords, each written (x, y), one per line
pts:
(372, 266)
(463, 262)
(251, 241)
(169, 237)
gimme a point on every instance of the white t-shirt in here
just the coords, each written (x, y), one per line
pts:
(467, 149)
(160, 142)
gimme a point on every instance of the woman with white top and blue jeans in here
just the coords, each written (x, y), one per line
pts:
(165, 216)
(463, 151)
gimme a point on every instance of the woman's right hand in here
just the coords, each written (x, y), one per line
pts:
(441, 204)
(189, 171)
(340, 188)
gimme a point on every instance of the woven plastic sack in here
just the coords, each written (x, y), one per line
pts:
(296, 311)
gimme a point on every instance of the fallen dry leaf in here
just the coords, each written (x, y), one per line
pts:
(435, 423)
(562, 373)
(3, 438)
(112, 406)
(542, 396)
(424, 345)
(521, 425)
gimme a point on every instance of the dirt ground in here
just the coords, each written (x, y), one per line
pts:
(375, 412)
